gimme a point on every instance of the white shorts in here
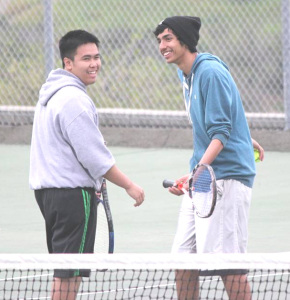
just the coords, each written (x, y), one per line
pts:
(226, 231)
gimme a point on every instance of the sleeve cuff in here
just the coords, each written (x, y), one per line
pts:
(223, 138)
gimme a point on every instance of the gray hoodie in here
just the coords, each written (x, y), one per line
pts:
(67, 147)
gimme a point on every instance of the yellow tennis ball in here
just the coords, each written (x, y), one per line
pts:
(257, 155)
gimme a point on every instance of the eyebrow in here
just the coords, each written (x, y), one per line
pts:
(165, 36)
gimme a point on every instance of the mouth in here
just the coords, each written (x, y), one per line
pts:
(93, 74)
(166, 54)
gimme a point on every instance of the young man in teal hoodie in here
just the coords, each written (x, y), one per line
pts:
(221, 138)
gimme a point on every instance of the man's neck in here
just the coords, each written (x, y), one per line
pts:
(187, 63)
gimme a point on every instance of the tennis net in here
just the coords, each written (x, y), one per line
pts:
(147, 276)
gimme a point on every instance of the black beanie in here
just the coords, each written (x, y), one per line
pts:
(186, 29)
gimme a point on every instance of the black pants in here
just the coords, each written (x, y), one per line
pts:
(70, 221)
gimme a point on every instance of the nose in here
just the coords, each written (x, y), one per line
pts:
(162, 45)
(93, 63)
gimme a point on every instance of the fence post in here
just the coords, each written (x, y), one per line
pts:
(286, 59)
(48, 36)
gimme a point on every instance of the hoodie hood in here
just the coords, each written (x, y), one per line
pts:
(206, 56)
(58, 79)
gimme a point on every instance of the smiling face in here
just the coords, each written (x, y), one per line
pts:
(86, 63)
(171, 48)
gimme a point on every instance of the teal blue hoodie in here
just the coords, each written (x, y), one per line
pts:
(216, 111)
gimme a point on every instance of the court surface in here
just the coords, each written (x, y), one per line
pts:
(150, 227)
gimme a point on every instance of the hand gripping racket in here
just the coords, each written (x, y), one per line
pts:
(202, 189)
(104, 241)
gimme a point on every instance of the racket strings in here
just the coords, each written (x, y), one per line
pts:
(102, 230)
(201, 191)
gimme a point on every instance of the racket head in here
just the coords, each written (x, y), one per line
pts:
(202, 190)
(104, 239)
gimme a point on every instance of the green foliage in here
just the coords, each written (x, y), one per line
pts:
(133, 74)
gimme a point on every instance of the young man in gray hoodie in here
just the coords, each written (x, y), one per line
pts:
(69, 158)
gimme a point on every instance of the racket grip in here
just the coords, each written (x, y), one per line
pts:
(168, 183)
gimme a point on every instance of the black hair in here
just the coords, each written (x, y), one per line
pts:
(159, 29)
(69, 43)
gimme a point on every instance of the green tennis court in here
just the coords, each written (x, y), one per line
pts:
(150, 227)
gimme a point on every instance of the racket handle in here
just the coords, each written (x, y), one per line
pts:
(168, 183)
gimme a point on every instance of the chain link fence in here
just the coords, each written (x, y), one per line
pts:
(136, 88)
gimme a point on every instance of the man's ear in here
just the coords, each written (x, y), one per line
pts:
(67, 63)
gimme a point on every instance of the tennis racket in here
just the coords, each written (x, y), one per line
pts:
(202, 189)
(104, 241)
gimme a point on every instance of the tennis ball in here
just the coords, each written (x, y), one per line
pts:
(256, 154)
